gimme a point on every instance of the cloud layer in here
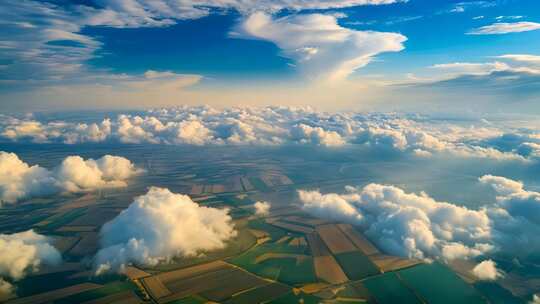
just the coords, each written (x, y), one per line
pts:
(159, 226)
(18, 180)
(393, 133)
(416, 225)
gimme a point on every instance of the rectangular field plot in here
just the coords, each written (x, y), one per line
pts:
(356, 265)
(216, 281)
(336, 241)
(261, 294)
(316, 245)
(438, 284)
(327, 269)
(51, 296)
(392, 263)
(292, 227)
(359, 240)
(388, 289)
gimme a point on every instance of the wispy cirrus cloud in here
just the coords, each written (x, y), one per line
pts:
(505, 28)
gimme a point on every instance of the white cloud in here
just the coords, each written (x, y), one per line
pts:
(321, 47)
(159, 226)
(487, 271)
(505, 28)
(18, 180)
(316, 135)
(76, 174)
(139, 13)
(415, 225)
(262, 208)
(406, 224)
(24, 252)
(185, 125)
(518, 202)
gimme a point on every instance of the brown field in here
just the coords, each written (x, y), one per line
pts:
(87, 245)
(291, 227)
(298, 241)
(390, 263)
(237, 184)
(308, 221)
(155, 288)
(336, 241)
(51, 296)
(65, 243)
(216, 285)
(270, 255)
(207, 189)
(127, 297)
(196, 189)
(135, 273)
(76, 228)
(317, 246)
(358, 239)
(258, 233)
(184, 273)
(218, 188)
(327, 269)
(267, 180)
(83, 201)
(247, 184)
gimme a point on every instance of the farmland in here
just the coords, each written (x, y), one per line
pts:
(285, 256)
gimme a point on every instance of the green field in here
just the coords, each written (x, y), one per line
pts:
(291, 298)
(496, 294)
(356, 265)
(189, 300)
(275, 232)
(388, 289)
(260, 294)
(436, 283)
(59, 221)
(273, 268)
(104, 291)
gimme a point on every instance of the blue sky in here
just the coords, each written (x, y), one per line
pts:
(55, 53)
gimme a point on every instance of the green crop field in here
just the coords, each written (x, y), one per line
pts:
(356, 265)
(104, 291)
(448, 288)
(388, 289)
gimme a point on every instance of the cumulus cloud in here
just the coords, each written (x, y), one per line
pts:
(319, 45)
(262, 208)
(22, 253)
(416, 225)
(505, 28)
(487, 271)
(517, 201)
(160, 226)
(18, 180)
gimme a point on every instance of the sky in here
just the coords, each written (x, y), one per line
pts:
(383, 55)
